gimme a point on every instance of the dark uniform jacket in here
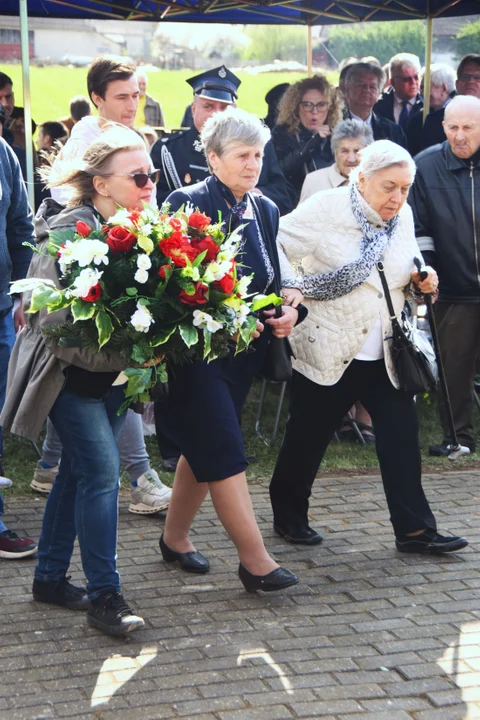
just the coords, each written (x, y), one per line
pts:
(182, 163)
(421, 136)
(445, 199)
(384, 107)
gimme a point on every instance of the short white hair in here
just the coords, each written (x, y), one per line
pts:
(380, 155)
(225, 130)
(442, 74)
(401, 60)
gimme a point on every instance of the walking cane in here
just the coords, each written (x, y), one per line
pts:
(455, 450)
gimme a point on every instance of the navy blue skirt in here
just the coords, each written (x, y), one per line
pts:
(205, 406)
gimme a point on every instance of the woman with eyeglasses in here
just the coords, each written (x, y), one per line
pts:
(79, 392)
(308, 112)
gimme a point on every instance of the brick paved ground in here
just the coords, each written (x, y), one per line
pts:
(368, 634)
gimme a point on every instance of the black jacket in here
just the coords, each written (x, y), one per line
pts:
(383, 129)
(188, 160)
(421, 136)
(384, 107)
(300, 153)
(445, 199)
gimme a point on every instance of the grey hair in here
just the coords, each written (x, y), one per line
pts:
(224, 130)
(362, 68)
(400, 60)
(380, 155)
(442, 74)
(352, 129)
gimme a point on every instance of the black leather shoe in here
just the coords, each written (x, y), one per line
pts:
(193, 562)
(61, 593)
(276, 580)
(301, 536)
(430, 542)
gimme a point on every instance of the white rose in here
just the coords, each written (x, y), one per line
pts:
(141, 276)
(141, 319)
(143, 262)
(84, 282)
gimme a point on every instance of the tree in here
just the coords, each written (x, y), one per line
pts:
(468, 39)
(268, 43)
(382, 40)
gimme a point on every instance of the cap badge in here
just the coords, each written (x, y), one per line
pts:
(222, 73)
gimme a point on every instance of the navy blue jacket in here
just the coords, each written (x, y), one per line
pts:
(384, 107)
(16, 224)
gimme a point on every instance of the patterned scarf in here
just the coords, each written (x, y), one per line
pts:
(234, 216)
(335, 284)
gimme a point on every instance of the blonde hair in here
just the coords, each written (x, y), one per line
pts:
(288, 107)
(79, 173)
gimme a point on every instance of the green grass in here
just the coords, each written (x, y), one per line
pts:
(52, 88)
(341, 458)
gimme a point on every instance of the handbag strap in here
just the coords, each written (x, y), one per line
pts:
(386, 291)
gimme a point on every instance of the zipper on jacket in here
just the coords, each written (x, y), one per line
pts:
(473, 220)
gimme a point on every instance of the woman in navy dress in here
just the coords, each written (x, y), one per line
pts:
(206, 399)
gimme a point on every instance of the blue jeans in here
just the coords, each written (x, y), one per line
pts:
(7, 339)
(84, 497)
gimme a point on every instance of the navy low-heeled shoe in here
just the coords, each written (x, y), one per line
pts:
(193, 562)
(276, 580)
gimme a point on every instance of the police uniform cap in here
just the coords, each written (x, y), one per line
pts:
(218, 84)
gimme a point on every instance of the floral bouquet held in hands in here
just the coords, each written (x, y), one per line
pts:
(151, 287)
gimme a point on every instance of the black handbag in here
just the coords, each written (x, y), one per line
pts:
(413, 356)
(277, 365)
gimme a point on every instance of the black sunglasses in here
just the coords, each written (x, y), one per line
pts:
(140, 179)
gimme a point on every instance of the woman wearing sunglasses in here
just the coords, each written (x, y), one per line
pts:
(78, 390)
(308, 111)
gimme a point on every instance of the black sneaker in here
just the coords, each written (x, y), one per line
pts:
(445, 447)
(430, 542)
(62, 593)
(111, 614)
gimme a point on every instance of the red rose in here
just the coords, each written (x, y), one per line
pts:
(162, 271)
(225, 285)
(207, 244)
(82, 228)
(198, 220)
(120, 239)
(177, 249)
(175, 224)
(178, 237)
(198, 297)
(93, 294)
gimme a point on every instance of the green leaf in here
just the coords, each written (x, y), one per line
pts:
(138, 354)
(42, 297)
(207, 343)
(60, 237)
(162, 338)
(139, 380)
(189, 334)
(131, 291)
(63, 302)
(104, 327)
(262, 301)
(82, 310)
(199, 259)
(245, 334)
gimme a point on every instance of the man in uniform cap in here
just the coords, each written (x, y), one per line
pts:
(181, 159)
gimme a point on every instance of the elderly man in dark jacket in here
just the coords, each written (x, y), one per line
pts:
(16, 228)
(446, 203)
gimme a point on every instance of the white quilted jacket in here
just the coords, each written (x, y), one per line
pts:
(322, 233)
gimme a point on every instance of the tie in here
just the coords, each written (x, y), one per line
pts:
(402, 120)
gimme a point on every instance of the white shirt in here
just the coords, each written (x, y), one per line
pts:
(398, 106)
(368, 121)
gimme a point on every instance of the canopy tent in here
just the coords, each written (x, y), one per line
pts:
(247, 12)
(235, 12)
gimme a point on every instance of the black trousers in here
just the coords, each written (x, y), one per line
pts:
(315, 413)
(459, 338)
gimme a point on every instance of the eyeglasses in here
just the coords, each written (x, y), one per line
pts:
(468, 76)
(310, 107)
(141, 179)
(406, 78)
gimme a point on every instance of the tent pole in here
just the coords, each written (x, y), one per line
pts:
(309, 51)
(26, 99)
(428, 63)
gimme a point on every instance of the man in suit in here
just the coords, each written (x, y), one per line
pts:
(442, 90)
(180, 156)
(403, 99)
(468, 83)
(363, 84)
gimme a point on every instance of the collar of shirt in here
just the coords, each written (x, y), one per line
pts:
(355, 117)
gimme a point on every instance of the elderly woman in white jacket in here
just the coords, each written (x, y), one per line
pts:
(342, 348)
